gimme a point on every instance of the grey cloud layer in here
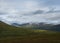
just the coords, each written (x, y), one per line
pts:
(30, 11)
(33, 17)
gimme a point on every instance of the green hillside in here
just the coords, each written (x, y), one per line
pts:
(12, 34)
(8, 30)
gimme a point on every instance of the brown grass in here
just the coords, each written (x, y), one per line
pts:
(44, 38)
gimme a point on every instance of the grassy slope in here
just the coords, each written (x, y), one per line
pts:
(7, 30)
(11, 34)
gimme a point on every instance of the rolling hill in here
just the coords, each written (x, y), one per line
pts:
(12, 34)
(8, 30)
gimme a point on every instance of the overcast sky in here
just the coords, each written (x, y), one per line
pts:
(24, 11)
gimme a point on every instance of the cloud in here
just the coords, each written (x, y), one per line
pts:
(51, 2)
(53, 10)
(1, 13)
(38, 12)
(24, 11)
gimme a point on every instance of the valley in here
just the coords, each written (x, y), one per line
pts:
(12, 34)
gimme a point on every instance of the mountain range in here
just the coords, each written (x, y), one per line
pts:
(41, 26)
(34, 26)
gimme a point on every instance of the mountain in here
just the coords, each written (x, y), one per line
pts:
(5, 26)
(35, 25)
(13, 34)
(28, 26)
(9, 30)
(18, 25)
(41, 26)
(55, 28)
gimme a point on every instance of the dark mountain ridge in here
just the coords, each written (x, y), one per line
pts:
(42, 26)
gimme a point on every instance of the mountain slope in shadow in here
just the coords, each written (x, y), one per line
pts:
(8, 30)
(41, 26)
(12, 34)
